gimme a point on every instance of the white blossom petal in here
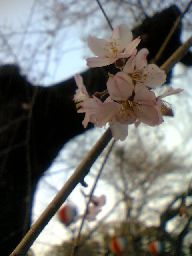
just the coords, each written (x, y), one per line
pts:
(97, 45)
(122, 34)
(108, 51)
(130, 65)
(93, 211)
(144, 96)
(141, 58)
(149, 115)
(130, 48)
(171, 91)
(155, 76)
(99, 200)
(98, 112)
(120, 86)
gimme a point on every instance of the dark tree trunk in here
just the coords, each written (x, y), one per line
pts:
(29, 143)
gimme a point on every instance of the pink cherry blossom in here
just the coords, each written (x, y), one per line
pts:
(95, 207)
(98, 112)
(146, 109)
(142, 107)
(120, 86)
(142, 73)
(137, 102)
(98, 200)
(120, 45)
(130, 100)
(92, 213)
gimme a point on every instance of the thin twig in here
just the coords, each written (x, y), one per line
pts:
(105, 15)
(78, 175)
(90, 197)
(172, 31)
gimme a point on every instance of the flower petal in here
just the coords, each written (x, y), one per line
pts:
(97, 45)
(130, 49)
(98, 112)
(123, 35)
(154, 76)
(130, 65)
(79, 81)
(120, 86)
(144, 96)
(170, 91)
(106, 113)
(141, 58)
(93, 211)
(149, 115)
(119, 131)
(99, 201)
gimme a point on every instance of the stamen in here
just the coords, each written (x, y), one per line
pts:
(138, 76)
(113, 46)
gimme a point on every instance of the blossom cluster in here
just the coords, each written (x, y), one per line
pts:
(130, 96)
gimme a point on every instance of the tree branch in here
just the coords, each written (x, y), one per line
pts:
(172, 31)
(177, 55)
(77, 177)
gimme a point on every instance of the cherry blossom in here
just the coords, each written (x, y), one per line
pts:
(120, 45)
(126, 104)
(136, 72)
(98, 112)
(141, 106)
(98, 201)
(144, 107)
(142, 73)
(95, 207)
(129, 98)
